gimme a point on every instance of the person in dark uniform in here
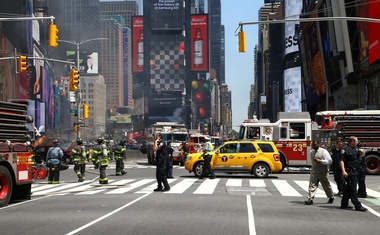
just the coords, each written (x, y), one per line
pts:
(335, 155)
(53, 158)
(161, 157)
(185, 151)
(350, 166)
(169, 161)
(101, 153)
(362, 189)
(120, 153)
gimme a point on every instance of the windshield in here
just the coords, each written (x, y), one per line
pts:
(166, 137)
(178, 138)
(241, 133)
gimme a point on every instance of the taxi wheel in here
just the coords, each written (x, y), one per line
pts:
(198, 168)
(260, 170)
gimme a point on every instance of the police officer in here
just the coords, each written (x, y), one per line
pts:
(169, 161)
(101, 153)
(80, 156)
(120, 154)
(335, 155)
(362, 189)
(350, 166)
(207, 155)
(53, 158)
(161, 157)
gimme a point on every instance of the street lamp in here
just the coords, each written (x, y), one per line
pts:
(77, 95)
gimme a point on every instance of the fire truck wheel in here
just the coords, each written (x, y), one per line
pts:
(373, 164)
(260, 170)
(198, 168)
(5, 186)
(22, 192)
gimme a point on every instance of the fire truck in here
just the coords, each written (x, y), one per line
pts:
(170, 131)
(293, 132)
(16, 162)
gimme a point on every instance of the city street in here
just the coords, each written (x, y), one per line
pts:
(230, 204)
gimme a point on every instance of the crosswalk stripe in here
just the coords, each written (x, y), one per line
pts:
(132, 186)
(207, 187)
(56, 189)
(257, 183)
(285, 188)
(305, 186)
(39, 187)
(181, 186)
(234, 182)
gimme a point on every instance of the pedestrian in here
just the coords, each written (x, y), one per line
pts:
(101, 153)
(120, 154)
(54, 157)
(338, 177)
(80, 156)
(350, 166)
(161, 156)
(207, 155)
(169, 161)
(185, 151)
(321, 160)
(362, 189)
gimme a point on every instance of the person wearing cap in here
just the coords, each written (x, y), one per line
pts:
(207, 155)
(53, 158)
(169, 161)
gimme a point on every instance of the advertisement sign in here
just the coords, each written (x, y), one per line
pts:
(373, 31)
(292, 11)
(166, 14)
(137, 44)
(292, 90)
(165, 107)
(199, 43)
(88, 61)
(201, 98)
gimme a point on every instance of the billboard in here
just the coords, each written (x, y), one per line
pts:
(292, 11)
(137, 44)
(373, 31)
(293, 90)
(88, 61)
(199, 43)
(165, 107)
(166, 14)
(201, 98)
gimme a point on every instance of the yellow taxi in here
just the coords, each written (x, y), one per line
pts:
(259, 158)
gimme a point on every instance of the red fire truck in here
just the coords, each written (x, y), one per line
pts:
(16, 164)
(294, 131)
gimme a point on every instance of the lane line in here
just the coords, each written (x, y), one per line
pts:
(107, 215)
(251, 218)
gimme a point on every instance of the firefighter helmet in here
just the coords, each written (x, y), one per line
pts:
(55, 142)
(79, 141)
(122, 142)
(100, 140)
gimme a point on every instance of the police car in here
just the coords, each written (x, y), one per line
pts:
(259, 158)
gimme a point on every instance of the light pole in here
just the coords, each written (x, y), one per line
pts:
(77, 93)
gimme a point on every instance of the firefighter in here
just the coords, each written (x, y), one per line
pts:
(101, 153)
(120, 154)
(54, 157)
(80, 156)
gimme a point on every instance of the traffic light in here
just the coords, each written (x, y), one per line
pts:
(74, 80)
(85, 111)
(76, 128)
(22, 63)
(242, 42)
(53, 35)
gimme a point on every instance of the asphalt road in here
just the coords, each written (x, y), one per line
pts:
(230, 204)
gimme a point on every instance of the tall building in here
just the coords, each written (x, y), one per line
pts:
(126, 9)
(214, 8)
(112, 60)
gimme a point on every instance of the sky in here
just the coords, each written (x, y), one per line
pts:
(240, 66)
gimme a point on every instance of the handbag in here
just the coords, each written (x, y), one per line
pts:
(63, 166)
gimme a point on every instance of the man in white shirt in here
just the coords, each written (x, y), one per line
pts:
(321, 160)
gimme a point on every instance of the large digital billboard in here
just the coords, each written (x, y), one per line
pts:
(88, 61)
(373, 31)
(166, 14)
(165, 107)
(137, 44)
(199, 43)
(201, 98)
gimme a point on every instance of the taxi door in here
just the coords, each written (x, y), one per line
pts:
(246, 156)
(225, 158)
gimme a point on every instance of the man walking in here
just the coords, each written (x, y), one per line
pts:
(80, 157)
(101, 153)
(319, 172)
(207, 155)
(335, 155)
(53, 158)
(120, 154)
(161, 158)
